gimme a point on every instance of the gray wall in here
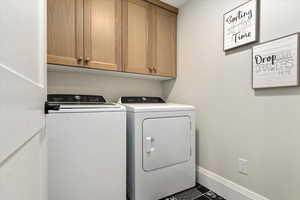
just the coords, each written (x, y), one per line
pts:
(111, 87)
(233, 120)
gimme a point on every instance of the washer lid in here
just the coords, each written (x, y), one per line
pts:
(87, 109)
(165, 107)
(71, 103)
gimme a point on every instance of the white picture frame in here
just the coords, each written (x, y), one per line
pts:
(276, 63)
(240, 25)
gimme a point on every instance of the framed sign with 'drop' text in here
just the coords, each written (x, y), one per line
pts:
(241, 25)
(276, 63)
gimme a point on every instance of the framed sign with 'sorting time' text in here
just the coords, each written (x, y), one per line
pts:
(241, 25)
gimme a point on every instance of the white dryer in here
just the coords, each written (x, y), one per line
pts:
(160, 147)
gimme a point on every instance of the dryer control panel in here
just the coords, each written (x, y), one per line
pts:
(142, 100)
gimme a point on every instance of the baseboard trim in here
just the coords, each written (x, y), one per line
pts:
(224, 187)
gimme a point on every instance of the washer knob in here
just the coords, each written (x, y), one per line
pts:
(77, 97)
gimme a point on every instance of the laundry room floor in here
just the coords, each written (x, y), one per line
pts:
(197, 193)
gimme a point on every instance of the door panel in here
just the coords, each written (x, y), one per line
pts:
(102, 34)
(166, 29)
(20, 37)
(22, 72)
(21, 111)
(65, 32)
(23, 176)
(137, 36)
(23, 92)
(166, 142)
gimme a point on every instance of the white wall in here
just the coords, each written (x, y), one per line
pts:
(111, 87)
(234, 120)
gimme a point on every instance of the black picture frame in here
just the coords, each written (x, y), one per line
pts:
(257, 25)
(298, 63)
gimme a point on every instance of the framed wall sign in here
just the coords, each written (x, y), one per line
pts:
(241, 25)
(276, 63)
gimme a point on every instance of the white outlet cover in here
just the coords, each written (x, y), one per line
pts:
(243, 166)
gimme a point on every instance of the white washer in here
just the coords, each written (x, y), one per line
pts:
(161, 147)
(86, 148)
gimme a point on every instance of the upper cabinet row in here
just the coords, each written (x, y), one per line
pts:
(136, 36)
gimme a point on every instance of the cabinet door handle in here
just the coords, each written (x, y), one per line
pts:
(154, 70)
(87, 60)
(79, 60)
(150, 69)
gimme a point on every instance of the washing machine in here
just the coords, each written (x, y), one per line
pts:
(86, 148)
(160, 147)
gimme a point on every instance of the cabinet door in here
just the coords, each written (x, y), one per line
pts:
(102, 34)
(166, 29)
(65, 32)
(137, 39)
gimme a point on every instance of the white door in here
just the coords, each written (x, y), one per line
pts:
(166, 142)
(22, 95)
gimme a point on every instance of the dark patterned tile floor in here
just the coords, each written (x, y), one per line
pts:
(197, 193)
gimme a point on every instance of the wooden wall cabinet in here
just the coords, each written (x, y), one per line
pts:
(135, 36)
(85, 33)
(149, 39)
(65, 32)
(165, 43)
(103, 34)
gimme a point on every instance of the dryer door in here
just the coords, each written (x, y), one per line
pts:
(166, 142)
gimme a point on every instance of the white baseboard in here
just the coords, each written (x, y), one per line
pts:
(228, 189)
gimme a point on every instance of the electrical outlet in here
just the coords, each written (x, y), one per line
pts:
(243, 166)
